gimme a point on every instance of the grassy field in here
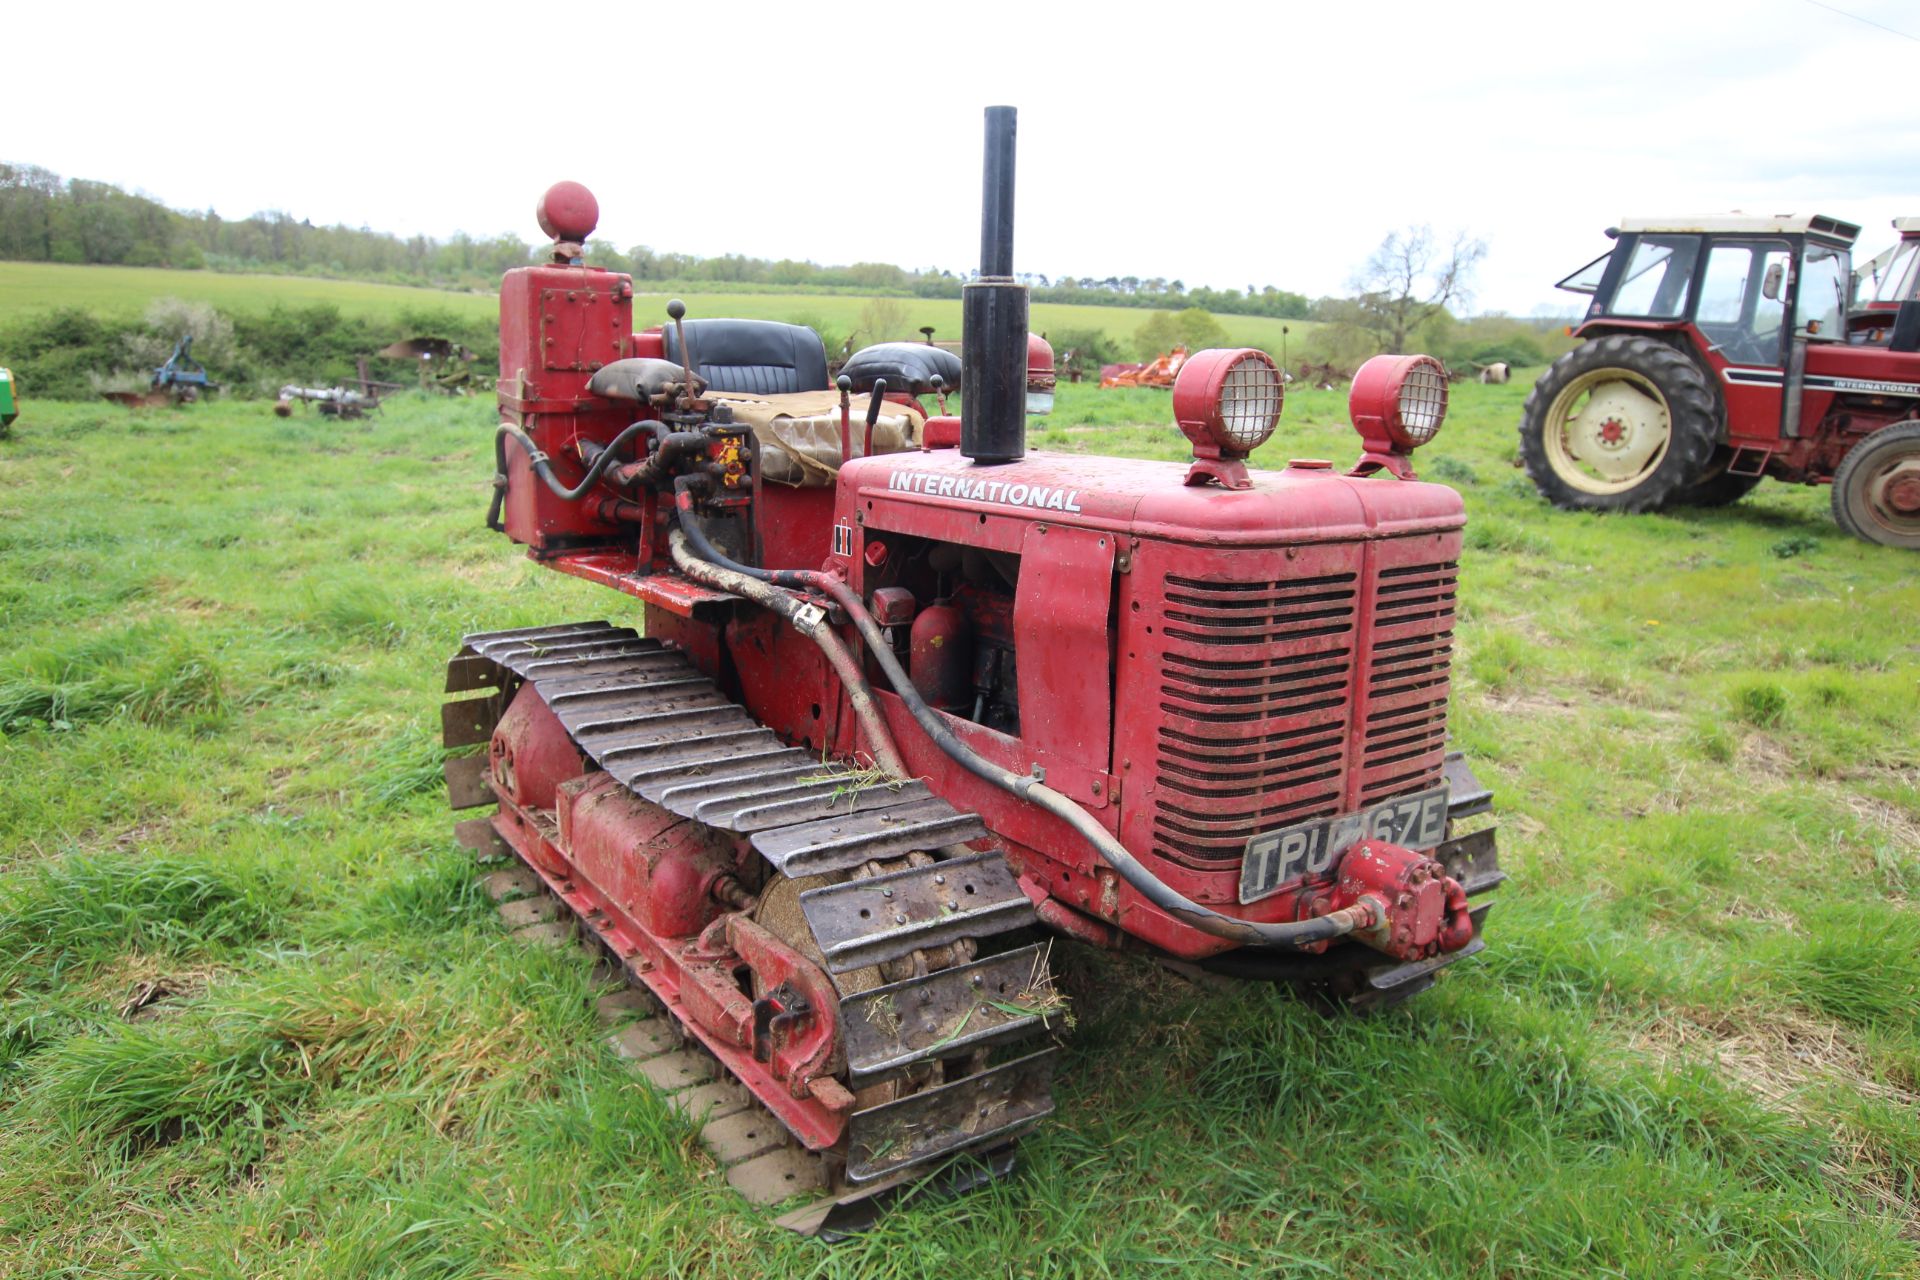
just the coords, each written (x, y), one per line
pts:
(32, 286)
(254, 1020)
(37, 286)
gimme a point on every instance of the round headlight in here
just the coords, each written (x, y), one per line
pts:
(1404, 396)
(1228, 402)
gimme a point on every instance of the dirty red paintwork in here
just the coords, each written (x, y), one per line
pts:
(1110, 675)
(644, 879)
(1094, 711)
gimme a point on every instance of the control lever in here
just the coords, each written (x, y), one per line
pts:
(677, 311)
(873, 413)
(940, 390)
(846, 417)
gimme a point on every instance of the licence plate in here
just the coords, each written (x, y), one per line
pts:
(1309, 848)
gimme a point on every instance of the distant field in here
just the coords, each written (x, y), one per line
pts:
(33, 286)
(30, 286)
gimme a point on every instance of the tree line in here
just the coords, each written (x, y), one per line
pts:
(46, 218)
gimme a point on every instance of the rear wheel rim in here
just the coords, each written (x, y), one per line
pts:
(1607, 431)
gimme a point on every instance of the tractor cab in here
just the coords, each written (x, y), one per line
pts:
(1736, 280)
(1724, 349)
(1885, 281)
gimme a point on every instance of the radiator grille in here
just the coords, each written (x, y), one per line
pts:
(1261, 703)
(1255, 691)
(1404, 733)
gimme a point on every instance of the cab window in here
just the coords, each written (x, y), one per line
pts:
(1899, 281)
(1740, 321)
(1587, 279)
(1826, 274)
(1654, 282)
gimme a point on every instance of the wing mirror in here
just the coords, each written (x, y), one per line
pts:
(1771, 282)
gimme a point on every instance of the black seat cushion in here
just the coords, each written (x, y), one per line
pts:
(753, 357)
(907, 366)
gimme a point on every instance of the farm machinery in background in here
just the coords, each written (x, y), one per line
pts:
(903, 698)
(1883, 280)
(1722, 350)
(180, 380)
(9, 401)
(445, 366)
(1324, 376)
(1161, 371)
(332, 402)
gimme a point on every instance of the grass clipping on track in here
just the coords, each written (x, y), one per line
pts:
(255, 1019)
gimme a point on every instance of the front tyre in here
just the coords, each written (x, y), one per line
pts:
(1621, 423)
(1876, 491)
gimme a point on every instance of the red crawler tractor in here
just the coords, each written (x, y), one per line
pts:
(904, 695)
(1722, 350)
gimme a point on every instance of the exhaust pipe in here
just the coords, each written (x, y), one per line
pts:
(993, 374)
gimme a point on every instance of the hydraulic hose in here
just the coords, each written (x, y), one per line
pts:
(669, 450)
(1297, 933)
(816, 628)
(537, 459)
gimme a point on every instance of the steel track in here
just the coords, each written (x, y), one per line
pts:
(934, 1036)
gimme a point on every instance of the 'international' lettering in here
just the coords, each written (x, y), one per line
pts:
(1037, 496)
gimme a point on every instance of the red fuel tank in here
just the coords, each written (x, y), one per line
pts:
(940, 657)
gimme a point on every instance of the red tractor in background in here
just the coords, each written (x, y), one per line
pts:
(905, 697)
(1721, 350)
(1889, 278)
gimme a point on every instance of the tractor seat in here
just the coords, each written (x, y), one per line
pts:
(753, 357)
(907, 366)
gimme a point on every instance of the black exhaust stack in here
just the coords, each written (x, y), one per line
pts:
(993, 374)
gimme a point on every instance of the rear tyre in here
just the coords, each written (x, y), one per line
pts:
(1622, 423)
(1876, 491)
(1719, 487)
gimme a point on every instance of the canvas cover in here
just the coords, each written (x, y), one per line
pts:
(797, 435)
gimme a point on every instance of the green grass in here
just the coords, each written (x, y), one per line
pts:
(35, 286)
(255, 1021)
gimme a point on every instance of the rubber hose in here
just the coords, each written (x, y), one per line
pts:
(537, 459)
(1297, 933)
(668, 450)
(789, 606)
(590, 451)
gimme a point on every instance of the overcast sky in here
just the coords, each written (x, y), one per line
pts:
(1217, 144)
